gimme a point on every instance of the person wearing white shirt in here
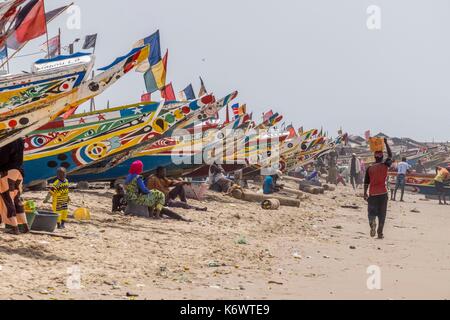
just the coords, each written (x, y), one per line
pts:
(402, 170)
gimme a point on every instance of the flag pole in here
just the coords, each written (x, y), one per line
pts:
(92, 108)
(59, 40)
(7, 60)
(46, 32)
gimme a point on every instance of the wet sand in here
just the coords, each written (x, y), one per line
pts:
(235, 251)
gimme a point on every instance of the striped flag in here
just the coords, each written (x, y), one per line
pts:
(52, 47)
(235, 109)
(155, 77)
(155, 51)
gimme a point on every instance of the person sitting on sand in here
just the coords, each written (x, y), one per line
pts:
(138, 193)
(271, 185)
(376, 193)
(119, 204)
(217, 179)
(172, 189)
(59, 193)
(12, 211)
(442, 176)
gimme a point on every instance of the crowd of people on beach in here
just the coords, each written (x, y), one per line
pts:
(158, 196)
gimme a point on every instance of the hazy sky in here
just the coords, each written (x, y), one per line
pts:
(314, 61)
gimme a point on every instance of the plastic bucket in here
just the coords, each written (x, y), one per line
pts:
(45, 221)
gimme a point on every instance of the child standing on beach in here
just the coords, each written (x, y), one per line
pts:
(59, 193)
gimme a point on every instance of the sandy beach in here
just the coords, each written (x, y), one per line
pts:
(234, 251)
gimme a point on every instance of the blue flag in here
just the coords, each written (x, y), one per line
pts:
(3, 53)
(155, 48)
(189, 92)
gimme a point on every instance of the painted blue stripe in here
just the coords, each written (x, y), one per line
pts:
(120, 59)
(63, 57)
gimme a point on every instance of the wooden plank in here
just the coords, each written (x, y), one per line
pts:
(259, 198)
(55, 235)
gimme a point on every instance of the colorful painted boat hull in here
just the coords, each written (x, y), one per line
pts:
(30, 119)
(92, 151)
(70, 146)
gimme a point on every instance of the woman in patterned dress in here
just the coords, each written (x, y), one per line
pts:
(138, 193)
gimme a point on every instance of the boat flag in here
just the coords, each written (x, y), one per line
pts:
(90, 42)
(203, 90)
(155, 51)
(235, 109)
(188, 92)
(7, 11)
(30, 24)
(292, 132)
(146, 97)
(52, 14)
(3, 53)
(239, 110)
(52, 46)
(155, 77)
(168, 93)
(267, 116)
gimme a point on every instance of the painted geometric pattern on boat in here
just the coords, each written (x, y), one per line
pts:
(17, 106)
(209, 110)
(19, 95)
(63, 133)
(78, 154)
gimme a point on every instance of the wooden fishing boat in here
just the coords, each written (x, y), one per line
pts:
(88, 144)
(185, 148)
(24, 98)
(29, 102)
(427, 190)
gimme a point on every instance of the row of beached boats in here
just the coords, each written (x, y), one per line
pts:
(184, 136)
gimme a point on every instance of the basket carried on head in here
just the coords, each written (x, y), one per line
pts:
(376, 144)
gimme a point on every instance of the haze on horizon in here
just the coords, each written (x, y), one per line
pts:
(314, 61)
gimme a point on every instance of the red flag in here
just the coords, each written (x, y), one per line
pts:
(30, 24)
(168, 93)
(268, 115)
(147, 97)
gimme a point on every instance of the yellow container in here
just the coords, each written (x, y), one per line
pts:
(376, 144)
(82, 214)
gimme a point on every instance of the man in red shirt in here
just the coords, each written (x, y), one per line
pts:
(376, 193)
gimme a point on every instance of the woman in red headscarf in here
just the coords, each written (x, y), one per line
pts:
(137, 192)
